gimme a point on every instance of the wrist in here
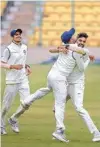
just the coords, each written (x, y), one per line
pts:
(60, 50)
(11, 66)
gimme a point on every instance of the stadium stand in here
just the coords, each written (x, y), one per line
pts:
(57, 18)
(17, 17)
(44, 22)
(3, 6)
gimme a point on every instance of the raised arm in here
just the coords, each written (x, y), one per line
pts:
(54, 50)
(72, 47)
(77, 49)
(58, 50)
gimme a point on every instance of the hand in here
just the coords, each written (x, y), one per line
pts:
(17, 66)
(28, 71)
(92, 58)
(63, 49)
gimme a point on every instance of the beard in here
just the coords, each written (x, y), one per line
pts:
(81, 45)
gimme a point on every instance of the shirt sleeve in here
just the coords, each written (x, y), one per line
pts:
(4, 65)
(73, 46)
(6, 55)
(85, 57)
(81, 50)
(86, 63)
(86, 51)
(80, 62)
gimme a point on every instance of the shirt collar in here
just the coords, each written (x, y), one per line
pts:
(16, 43)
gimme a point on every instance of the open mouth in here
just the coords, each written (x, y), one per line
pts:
(81, 45)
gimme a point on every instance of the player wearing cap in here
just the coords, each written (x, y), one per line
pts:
(16, 80)
(57, 81)
(76, 88)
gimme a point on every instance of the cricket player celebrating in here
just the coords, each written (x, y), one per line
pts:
(16, 80)
(76, 90)
(57, 81)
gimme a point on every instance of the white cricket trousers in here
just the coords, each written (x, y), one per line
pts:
(76, 92)
(37, 95)
(59, 85)
(9, 95)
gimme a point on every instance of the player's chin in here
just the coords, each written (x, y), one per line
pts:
(81, 45)
(18, 40)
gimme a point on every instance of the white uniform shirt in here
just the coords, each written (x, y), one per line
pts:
(67, 62)
(76, 47)
(77, 75)
(15, 54)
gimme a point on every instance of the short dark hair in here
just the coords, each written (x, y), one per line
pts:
(80, 35)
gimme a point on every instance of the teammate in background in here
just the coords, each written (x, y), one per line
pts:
(16, 80)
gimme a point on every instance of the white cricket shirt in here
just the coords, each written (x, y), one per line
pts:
(15, 54)
(67, 62)
(77, 75)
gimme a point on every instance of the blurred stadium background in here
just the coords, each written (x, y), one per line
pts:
(43, 22)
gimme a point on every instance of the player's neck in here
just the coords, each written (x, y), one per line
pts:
(17, 43)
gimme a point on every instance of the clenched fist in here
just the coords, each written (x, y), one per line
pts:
(92, 58)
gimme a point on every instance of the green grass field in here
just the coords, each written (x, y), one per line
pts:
(37, 124)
